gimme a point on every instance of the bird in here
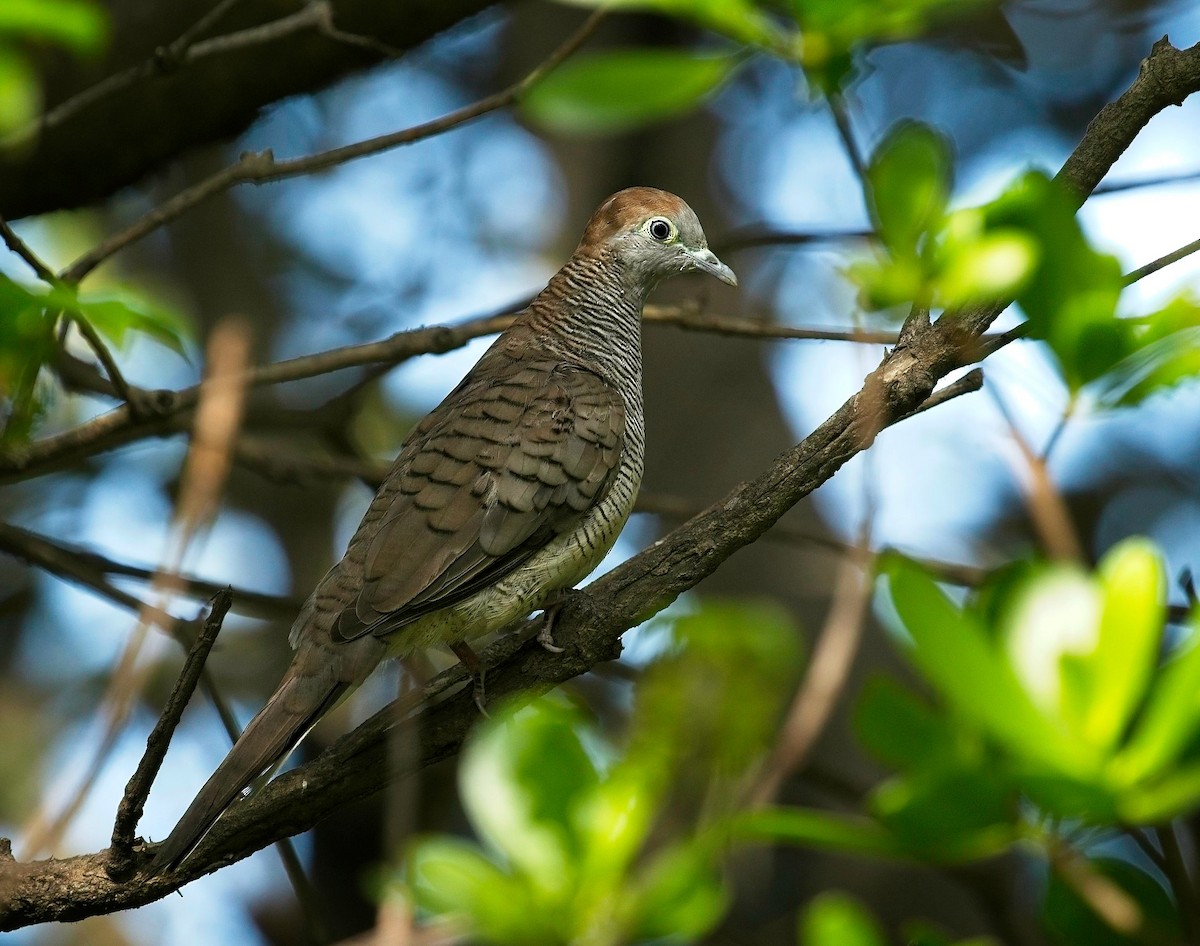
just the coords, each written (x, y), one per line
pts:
(503, 497)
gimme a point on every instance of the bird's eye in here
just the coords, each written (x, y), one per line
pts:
(661, 229)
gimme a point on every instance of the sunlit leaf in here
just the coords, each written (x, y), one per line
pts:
(1052, 620)
(519, 779)
(448, 876)
(1170, 719)
(991, 267)
(20, 95)
(616, 91)
(834, 919)
(79, 24)
(1133, 584)
(959, 658)
(909, 178)
(1159, 800)
(1070, 298)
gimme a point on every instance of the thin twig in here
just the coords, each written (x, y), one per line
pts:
(21, 248)
(1103, 896)
(760, 234)
(1049, 512)
(75, 563)
(828, 670)
(100, 350)
(261, 166)
(168, 409)
(1161, 263)
(969, 383)
(217, 419)
(164, 59)
(129, 812)
(841, 121)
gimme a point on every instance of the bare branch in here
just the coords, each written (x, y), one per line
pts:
(1162, 262)
(261, 167)
(21, 248)
(825, 679)
(129, 812)
(87, 568)
(164, 60)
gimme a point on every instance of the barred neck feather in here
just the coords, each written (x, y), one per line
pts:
(591, 312)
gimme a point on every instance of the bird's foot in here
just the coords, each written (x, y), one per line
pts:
(470, 660)
(550, 611)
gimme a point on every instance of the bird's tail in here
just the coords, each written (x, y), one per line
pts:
(295, 707)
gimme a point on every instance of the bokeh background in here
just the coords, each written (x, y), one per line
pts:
(476, 220)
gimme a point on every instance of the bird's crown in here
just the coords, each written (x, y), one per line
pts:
(653, 233)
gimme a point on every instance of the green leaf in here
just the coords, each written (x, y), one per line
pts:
(1166, 353)
(680, 895)
(822, 830)
(694, 720)
(1070, 299)
(1176, 793)
(834, 919)
(958, 657)
(900, 729)
(617, 91)
(20, 94)
(909, 178)
(449, 876)
(1171, 718)
(990, 267)
(520, 780)
(116, 314)
(950, 814)
(78, 24)
(1089, 801)
(1051, 628)
(1133, 584)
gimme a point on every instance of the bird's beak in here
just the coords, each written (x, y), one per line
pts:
(706, 261)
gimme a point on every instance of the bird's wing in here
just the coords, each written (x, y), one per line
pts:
(514, 457)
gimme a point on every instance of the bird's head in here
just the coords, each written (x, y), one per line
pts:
(652, 234)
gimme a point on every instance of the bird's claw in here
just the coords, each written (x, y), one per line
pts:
(470, 660)
(545, 636)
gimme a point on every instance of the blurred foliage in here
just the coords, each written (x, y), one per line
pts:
(1028, 245)
(588, 840)
(1063, 711)
(30, 318)
(617, 91)
(79, 25)
(835, 919)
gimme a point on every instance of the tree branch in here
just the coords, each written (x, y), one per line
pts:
(129, 812)
(260, 167)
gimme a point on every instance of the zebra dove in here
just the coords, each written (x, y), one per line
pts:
(508, 492)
